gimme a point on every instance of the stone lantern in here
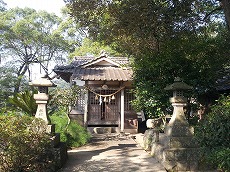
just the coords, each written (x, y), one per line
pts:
(42, 97)
(178, 102)
(59, 149)
(181, 152)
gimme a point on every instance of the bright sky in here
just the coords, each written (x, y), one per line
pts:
(51, 6)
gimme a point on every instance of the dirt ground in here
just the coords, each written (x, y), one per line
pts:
(111, 153)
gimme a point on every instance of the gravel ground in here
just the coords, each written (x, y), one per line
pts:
(111, 153)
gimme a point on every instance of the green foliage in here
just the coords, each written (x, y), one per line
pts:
(197, 59)
(33, 37)
(60, 120)
(77, 135)
(73, 134)
(167, 39)
(213, 133)
(65, 97)
(24, 101)
(7, 81)
(89, 47)
(134, 25)
(24, 145)
(221, 158)
(2, 5)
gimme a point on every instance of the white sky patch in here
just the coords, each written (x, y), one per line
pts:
(51, 6)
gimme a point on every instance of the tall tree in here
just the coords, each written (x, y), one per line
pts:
(30, 37)
(166, 38)
(226, 6)
(140, 24)
(8, 79)
(197, 59)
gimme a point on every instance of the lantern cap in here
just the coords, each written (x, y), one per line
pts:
(178, 85)
(44, 81)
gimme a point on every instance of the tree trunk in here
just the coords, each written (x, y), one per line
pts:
(20, 74)
(226, 7)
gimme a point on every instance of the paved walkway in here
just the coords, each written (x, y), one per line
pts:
(113, 153)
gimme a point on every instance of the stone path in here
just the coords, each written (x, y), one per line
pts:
(113, 153)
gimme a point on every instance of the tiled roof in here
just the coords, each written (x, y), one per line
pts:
(78, 69)
(80, 60)
(103, 73)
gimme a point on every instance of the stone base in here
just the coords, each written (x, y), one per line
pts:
(181, 142)
(107, 130)
(181, 159)
(178, 159)
(131, 131)
(149, 138)
(59, 150)
(179, 130)
(55, 140)
(61, 156)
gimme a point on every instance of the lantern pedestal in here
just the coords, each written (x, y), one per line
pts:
(41, 101)
(178, 124)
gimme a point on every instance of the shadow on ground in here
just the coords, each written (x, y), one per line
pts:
(111, 155)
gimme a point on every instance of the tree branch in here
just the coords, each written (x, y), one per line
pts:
(211, 12)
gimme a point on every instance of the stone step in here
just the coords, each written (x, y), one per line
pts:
(103, 130)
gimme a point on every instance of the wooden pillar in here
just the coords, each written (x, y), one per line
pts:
(122, 110)
(86, 108)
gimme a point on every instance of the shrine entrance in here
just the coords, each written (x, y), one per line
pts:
(104, 110)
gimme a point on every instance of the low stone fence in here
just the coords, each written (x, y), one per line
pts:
(161, 151)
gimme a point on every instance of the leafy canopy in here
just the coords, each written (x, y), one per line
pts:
(93, 48)
(138, 24)
(30, 37)
(165, 38)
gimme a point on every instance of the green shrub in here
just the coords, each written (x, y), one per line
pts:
(60, 121)
(77, 135)
(24, 101)
(213, 134)
(74, 135)
(24, 145)
(221, 158)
